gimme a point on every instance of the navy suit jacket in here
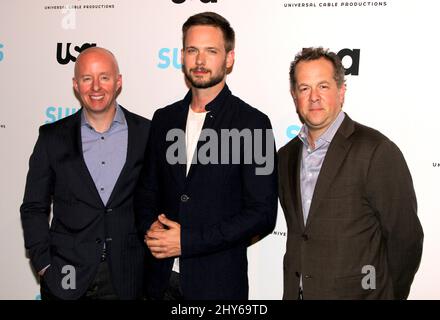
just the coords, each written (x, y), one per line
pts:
(220, 207)
(58, 176)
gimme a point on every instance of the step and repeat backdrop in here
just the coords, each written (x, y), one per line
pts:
(389, 48)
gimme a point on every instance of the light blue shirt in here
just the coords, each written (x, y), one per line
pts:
(105, 153)
(312, 159)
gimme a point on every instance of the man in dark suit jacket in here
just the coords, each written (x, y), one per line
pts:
(86, 166)
(347, 195)
(205, 213)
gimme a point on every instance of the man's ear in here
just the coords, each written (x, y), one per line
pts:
(75, 84)
(119, 82)
(181, 56)
(230, 57)
(292, 92)
(342, 91)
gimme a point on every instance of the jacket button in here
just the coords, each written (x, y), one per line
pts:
(307, 276)
(108, 210)
(184, 198)
(98, 240)
(305, 237)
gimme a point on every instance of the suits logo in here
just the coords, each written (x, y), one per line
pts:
(67, 55)
(1, 52)
(168, 56)
(204, 1)
(292, 131)
(354, 55)
(56, 113)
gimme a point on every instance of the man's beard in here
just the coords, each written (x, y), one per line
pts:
(205, 84)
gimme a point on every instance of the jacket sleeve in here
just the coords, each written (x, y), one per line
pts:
(258, 210)
(391, 193)
(146, 191)
(37, 200)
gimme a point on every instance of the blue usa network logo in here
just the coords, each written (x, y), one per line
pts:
(169, 57)
(56, 113)
(1, 52)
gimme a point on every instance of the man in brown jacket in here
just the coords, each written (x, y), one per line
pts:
(347, 195)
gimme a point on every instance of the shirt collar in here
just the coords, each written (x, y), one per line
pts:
(215, 104)
(328, 135)
(119, 117)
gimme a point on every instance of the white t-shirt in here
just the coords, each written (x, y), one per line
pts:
(194, 125)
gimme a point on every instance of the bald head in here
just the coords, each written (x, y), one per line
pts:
(97, 82)
(98, 52)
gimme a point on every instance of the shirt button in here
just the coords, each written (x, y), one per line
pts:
(102, 188)
(310, 174)
(309, 150)
(184, 198)
(102, 138)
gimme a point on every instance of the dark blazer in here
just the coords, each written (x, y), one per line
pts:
(220, 206)
(58, 176)
(363, 213)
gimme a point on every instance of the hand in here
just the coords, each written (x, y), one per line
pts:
(162, 242)
(156, 225)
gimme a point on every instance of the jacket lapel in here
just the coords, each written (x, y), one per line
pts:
(179, 169)
(293, 171)
(207, 124)
(79, 167)
(334, 158)
(131, 145)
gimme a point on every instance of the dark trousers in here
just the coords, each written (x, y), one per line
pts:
(101, 287)
(300, 294)
(174, 290)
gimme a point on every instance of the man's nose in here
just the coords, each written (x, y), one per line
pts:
(314, 95)
(96, 85)
(200, 59)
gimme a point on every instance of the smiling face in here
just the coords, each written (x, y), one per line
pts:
(97, 81)
(204, 57)
(317, 97)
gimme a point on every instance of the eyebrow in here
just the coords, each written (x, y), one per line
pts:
(198, 48)
(308, 85)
